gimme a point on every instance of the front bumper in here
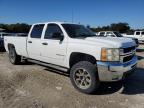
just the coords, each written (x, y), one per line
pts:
(113, 71)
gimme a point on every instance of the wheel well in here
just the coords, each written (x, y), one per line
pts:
(77, 57)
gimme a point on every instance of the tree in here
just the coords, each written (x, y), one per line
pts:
(104, 28)
(16, 28)
(120, 27)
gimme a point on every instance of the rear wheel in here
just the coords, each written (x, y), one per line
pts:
(13, 57)
(84, 77)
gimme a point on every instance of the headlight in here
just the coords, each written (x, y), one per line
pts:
(110, 54)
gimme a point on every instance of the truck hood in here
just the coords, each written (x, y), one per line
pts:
(116, 42)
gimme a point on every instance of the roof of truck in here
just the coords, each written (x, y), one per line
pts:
(56, 22)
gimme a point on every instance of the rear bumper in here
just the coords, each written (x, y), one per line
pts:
(110, 71)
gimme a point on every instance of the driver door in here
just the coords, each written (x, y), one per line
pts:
(53, 48)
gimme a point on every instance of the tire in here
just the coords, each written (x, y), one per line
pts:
(86, 81)
(13, 57)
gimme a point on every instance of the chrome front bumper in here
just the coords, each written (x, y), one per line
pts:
(112, 71)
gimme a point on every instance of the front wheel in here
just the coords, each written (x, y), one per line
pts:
(84, 77)
(13, 57)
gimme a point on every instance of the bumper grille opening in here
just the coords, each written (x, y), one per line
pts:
(128, 58)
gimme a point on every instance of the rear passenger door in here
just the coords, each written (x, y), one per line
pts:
(34, 42)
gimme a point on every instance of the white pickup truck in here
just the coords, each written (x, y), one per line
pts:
(74, 48)
(115, 34)
(137, 34)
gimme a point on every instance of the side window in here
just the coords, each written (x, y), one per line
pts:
(37, 31)
(137, 33)
(102, 33)
(110, 34)
(53, 31)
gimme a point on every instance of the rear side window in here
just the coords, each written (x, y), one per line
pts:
(51, 30)
(137, 33)
(37, 31)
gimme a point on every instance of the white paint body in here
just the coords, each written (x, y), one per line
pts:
(137, 34)
(58, 52)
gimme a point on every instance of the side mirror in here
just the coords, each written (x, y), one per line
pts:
(61, 37)
(58, 36)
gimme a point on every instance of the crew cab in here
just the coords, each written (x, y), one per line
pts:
(115, 34)
(137, 34)
(75, 49)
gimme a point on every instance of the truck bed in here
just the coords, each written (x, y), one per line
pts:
(19, 43)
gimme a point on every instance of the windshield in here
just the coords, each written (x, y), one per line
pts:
(118, 34)
(78, 31)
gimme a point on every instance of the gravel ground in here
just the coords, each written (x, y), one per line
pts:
(33, 86)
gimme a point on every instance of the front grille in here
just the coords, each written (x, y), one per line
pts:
(129, 49)
(128, 58)
(128, 54)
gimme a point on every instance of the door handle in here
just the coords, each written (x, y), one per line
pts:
(45, 43)
(29, 41)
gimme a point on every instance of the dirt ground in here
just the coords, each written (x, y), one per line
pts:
(33, 86)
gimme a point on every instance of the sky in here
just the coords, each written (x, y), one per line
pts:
(88, 12)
